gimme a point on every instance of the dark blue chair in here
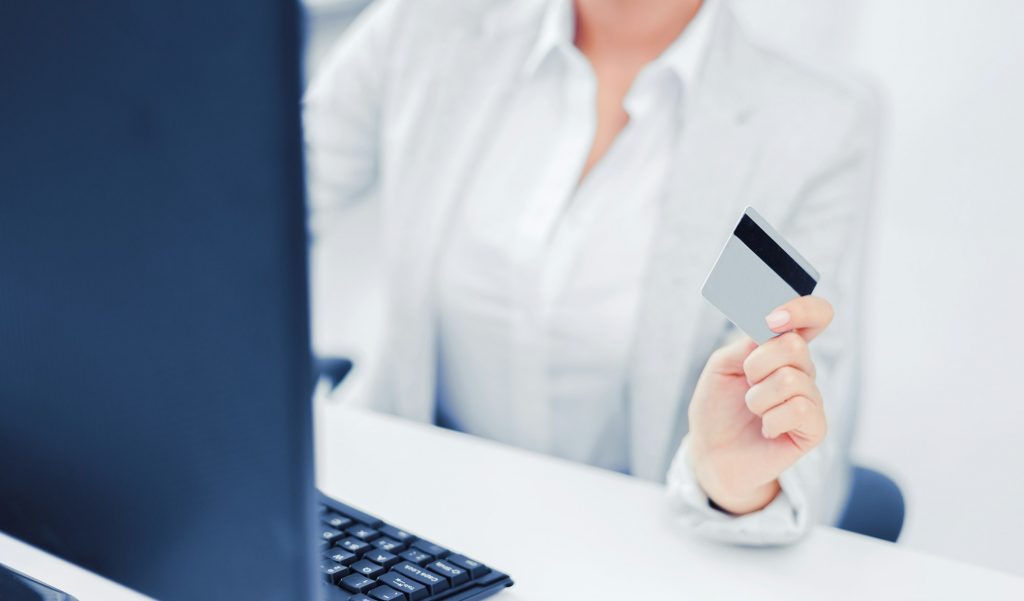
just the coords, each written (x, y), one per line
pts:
(875, 506)
(332, 369)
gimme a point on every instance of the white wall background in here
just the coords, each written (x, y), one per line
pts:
(943, 411)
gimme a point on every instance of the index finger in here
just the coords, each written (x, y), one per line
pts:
(807, 315)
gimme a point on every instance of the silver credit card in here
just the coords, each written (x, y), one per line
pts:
(756, 272)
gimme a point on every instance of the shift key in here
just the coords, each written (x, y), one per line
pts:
(414, 590)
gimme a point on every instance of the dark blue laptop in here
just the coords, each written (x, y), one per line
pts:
(155, 366)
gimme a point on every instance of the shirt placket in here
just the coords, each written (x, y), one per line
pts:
(537, 228)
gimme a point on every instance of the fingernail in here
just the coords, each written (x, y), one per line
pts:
(764, 433)
(777, 319)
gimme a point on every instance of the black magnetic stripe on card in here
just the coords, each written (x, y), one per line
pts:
(774, 256)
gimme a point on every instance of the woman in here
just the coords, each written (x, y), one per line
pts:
(555, 179)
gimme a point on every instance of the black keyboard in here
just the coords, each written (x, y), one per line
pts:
(366, 559)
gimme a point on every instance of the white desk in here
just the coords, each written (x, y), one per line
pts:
(566, 531)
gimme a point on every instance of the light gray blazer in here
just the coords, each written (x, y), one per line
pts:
(396, 112)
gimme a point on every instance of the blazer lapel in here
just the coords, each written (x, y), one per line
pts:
(714, 160)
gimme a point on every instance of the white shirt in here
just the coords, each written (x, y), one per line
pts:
(541, 274)
(406, 111)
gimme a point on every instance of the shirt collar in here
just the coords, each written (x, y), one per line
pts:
(556, 30)
(684, 56)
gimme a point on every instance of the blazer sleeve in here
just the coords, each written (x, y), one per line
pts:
(827, 222)
(342, 110)
(342, 123)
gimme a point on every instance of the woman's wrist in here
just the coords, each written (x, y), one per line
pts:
(728, 493)
(756, 500)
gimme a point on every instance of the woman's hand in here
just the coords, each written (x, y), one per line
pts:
(756, 409)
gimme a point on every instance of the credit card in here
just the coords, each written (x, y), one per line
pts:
(755, 273)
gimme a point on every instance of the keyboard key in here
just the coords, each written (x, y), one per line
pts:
(395, 533)
(434, 583)
(386, 593)
(335, 521)
(388, 544)
(357, 583)
(333, 572)
(431, 548)
(360, 597)
(475, 568)
(367, 568)
(414, 590)
(356, 515)
(330, 534)
(454, 574)
(416, 556)
(353, 545)
(363, 533)
(339, 555)
(382, 557)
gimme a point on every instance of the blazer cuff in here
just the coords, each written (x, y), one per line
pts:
(784, 520)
